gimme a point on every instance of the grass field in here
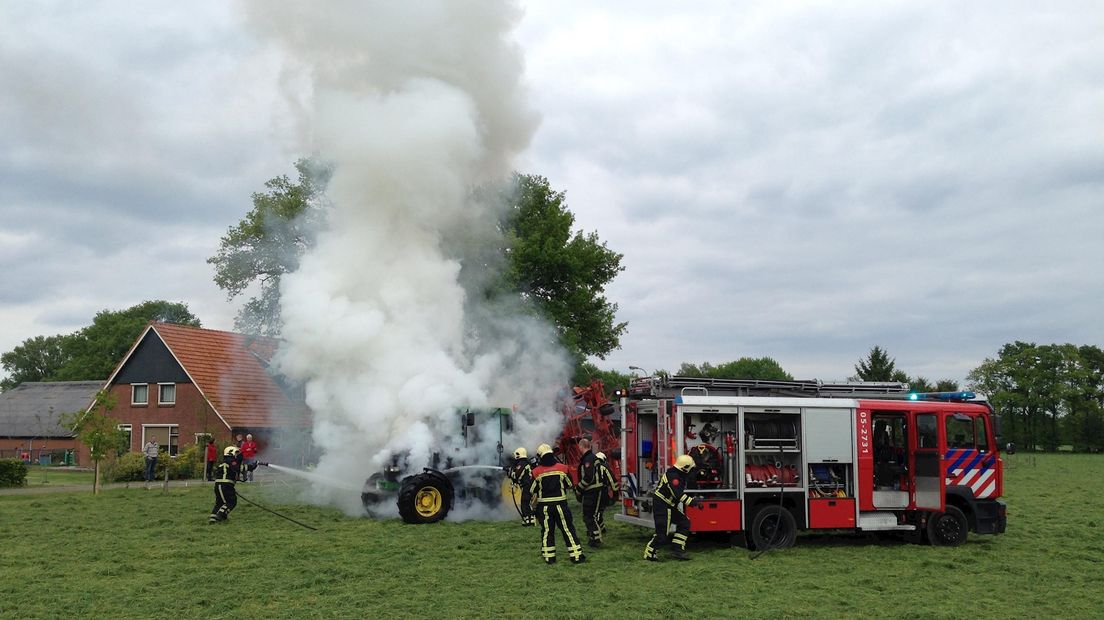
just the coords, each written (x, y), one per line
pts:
(38, 476)
(139, 553)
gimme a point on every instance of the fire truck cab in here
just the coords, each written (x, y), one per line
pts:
(773, 458)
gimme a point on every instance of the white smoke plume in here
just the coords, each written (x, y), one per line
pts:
(415, 104)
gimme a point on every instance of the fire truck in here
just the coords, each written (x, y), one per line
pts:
(772, 458)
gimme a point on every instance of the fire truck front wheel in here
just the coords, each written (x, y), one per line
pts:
(773, 527)
(948, 528)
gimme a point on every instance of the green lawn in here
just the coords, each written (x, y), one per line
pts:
(139, 553)
(39, 476)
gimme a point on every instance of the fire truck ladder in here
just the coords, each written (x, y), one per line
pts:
(670, 387)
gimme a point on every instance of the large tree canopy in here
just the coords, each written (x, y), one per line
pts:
(1048, 395)
(92, 352)
(560, 272)
(269, 243)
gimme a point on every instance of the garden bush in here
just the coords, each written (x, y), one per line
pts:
(13, 473)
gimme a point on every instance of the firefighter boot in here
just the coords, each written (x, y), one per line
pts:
(680, 554)
(579, 560)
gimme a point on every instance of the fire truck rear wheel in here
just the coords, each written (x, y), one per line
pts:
(773, 527)
(948, 528)
(425, 498)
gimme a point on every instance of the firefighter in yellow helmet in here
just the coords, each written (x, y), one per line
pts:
(610, 489)
(226, 497)
(550, 487)
(521, 474)
(669, 502)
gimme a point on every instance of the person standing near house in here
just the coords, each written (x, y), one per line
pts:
(212, 456)
(151, 451)
(249, 456)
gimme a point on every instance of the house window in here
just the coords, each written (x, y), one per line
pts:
(174, 440)
(166, 393)
(129, 432)
(139, 394)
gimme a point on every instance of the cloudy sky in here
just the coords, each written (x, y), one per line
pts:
(795, 180)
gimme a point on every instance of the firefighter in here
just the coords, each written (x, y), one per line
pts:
(225, 495)
(521, 474)
(589, 491)
(551, 484)
(610, 489)
(669, 502)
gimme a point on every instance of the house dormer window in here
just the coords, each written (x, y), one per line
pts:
(139, 394)
(166, 393)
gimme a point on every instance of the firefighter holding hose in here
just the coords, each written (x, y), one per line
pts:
(551, 484)
(669, 503)
(521, 474)
(226, 497)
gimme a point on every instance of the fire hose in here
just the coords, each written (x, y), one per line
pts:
(249, 501)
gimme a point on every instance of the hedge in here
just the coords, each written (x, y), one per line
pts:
(13, 473)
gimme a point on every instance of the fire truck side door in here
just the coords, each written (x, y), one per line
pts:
(927, 488)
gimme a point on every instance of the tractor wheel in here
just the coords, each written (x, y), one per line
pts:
(425, 498)
(948, 528)
(773, 528)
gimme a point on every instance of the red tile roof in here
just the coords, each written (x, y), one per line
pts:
(230, 370)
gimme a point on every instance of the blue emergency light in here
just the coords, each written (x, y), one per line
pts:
(944, 396)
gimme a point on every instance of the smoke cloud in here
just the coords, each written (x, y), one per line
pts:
(385, 322)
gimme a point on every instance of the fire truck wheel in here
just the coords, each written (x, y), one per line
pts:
(425, 498)
(773, 528)
(948, 528)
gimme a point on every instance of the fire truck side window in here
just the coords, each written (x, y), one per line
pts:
(980, 437)
(960, 432)
(927, 431)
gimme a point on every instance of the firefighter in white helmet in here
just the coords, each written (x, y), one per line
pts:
(226, 497)
(669, 502)
(551, 485)
(521, 474)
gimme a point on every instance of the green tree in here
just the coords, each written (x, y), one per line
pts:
(612, 379)
(562, 272)
(1047, 394)
(96, 429)
(879, 366)
(269, 243)
(762, 368)
(94, 351)
(36, 359)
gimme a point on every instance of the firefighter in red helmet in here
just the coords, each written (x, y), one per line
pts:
(669, 502)
(550, 487)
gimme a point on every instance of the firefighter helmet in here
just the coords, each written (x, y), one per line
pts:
(520, 453)
(231, 451)
(684, 462)
(601, 456)
(544, 449)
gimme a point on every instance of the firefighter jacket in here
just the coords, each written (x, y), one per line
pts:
(605, 478)
(521, 473)
(551, 483)
(672, 489)
(227, 470)
(588, 473)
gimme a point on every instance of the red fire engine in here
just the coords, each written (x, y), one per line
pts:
(775, 457)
